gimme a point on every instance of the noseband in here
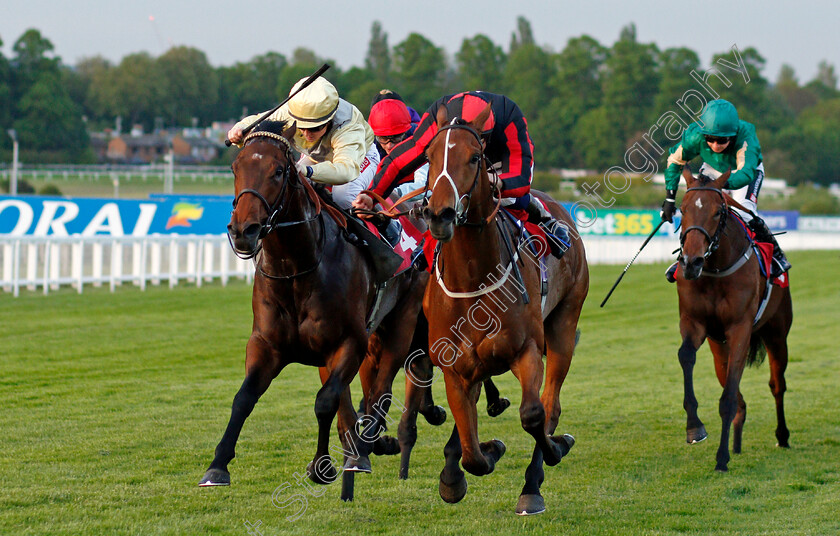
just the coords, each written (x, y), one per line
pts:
(714, 240)
(462, 203)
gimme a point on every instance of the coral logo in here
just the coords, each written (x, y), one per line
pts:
(183, 213)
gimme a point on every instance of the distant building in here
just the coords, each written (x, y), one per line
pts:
(193, 149)
(137, 149)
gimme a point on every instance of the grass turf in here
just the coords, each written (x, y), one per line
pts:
(113, 404)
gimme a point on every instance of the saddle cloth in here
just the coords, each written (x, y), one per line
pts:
(517, 215)
(764, 252)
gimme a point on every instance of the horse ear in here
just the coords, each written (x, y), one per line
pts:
(289, 132)
(689, 178)
(721, 181)
(481, 118)
(442, 116)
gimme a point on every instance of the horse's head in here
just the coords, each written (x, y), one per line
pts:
(456, 167)
(704, 211)
(262, 171)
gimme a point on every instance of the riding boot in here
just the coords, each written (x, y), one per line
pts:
(780, 263)
(557, 233)
(390, 231)
(671, 272)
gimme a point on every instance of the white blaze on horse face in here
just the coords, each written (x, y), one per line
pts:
(698, 203)
(257, 156)
(445, 171)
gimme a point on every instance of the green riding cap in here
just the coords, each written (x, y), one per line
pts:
(719, 118)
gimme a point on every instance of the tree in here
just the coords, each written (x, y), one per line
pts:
(302, 64)
(630, 83)
(93, 75)
(675, 67)
(824, 85)
(596, 141)
(135, 91)
(252, 87)
(5, 94)
(419, 71)
(815, 138)
(378, 58)
(49, 124)
(33, 57)
(358, 86)
(797, 98)
(481, 64)
(748, 96)
(191, 86)
(522, 36)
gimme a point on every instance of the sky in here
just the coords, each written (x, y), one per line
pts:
(800, 34)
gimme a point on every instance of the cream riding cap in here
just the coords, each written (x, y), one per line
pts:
(314, 105)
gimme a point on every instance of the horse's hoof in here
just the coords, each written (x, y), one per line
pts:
(386, 446)
(494, 410)
(721, 468)
(359, 464)
(695, 435)
(565, 442)
(215, 477)
(455, 491)
(494, 448)
(784, 445)
(326, 476)
(559, 446)
(529, 505)
(435, 416)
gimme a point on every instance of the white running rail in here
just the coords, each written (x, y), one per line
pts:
(50, 262)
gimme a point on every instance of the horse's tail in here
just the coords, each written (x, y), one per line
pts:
(757, 351)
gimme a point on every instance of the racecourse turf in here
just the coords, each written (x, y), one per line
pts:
(113, 404)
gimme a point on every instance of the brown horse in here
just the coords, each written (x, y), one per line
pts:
(480, 323)
(720, 292)
(313, 290)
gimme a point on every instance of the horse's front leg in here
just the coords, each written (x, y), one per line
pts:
(528, 369)
(261, 367)
(738, 340)
(477, 458)
(721, 353)
(453, 483)
(693, 335)
(341, 367)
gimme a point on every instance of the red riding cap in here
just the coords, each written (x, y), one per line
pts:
(467, 106)
(389, 118)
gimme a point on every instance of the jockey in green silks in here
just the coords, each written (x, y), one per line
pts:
(724, 142)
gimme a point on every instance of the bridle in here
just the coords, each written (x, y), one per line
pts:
(714, 240)
(462, 203)
(288, 174)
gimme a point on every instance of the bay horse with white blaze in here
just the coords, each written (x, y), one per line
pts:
(313, 290)
(721, 289)
(479, 328)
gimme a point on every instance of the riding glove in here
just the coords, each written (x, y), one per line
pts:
(304, 170)
(669, 207)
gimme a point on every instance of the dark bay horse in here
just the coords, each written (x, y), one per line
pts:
(312, 293)
(720, 291)
(480, 325)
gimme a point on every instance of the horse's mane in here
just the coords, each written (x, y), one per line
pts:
(704, 180)
(274, 127)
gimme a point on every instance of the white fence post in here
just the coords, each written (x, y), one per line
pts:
(56, 261)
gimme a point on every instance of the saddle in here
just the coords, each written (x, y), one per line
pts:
(387, 261)
(764, 252)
